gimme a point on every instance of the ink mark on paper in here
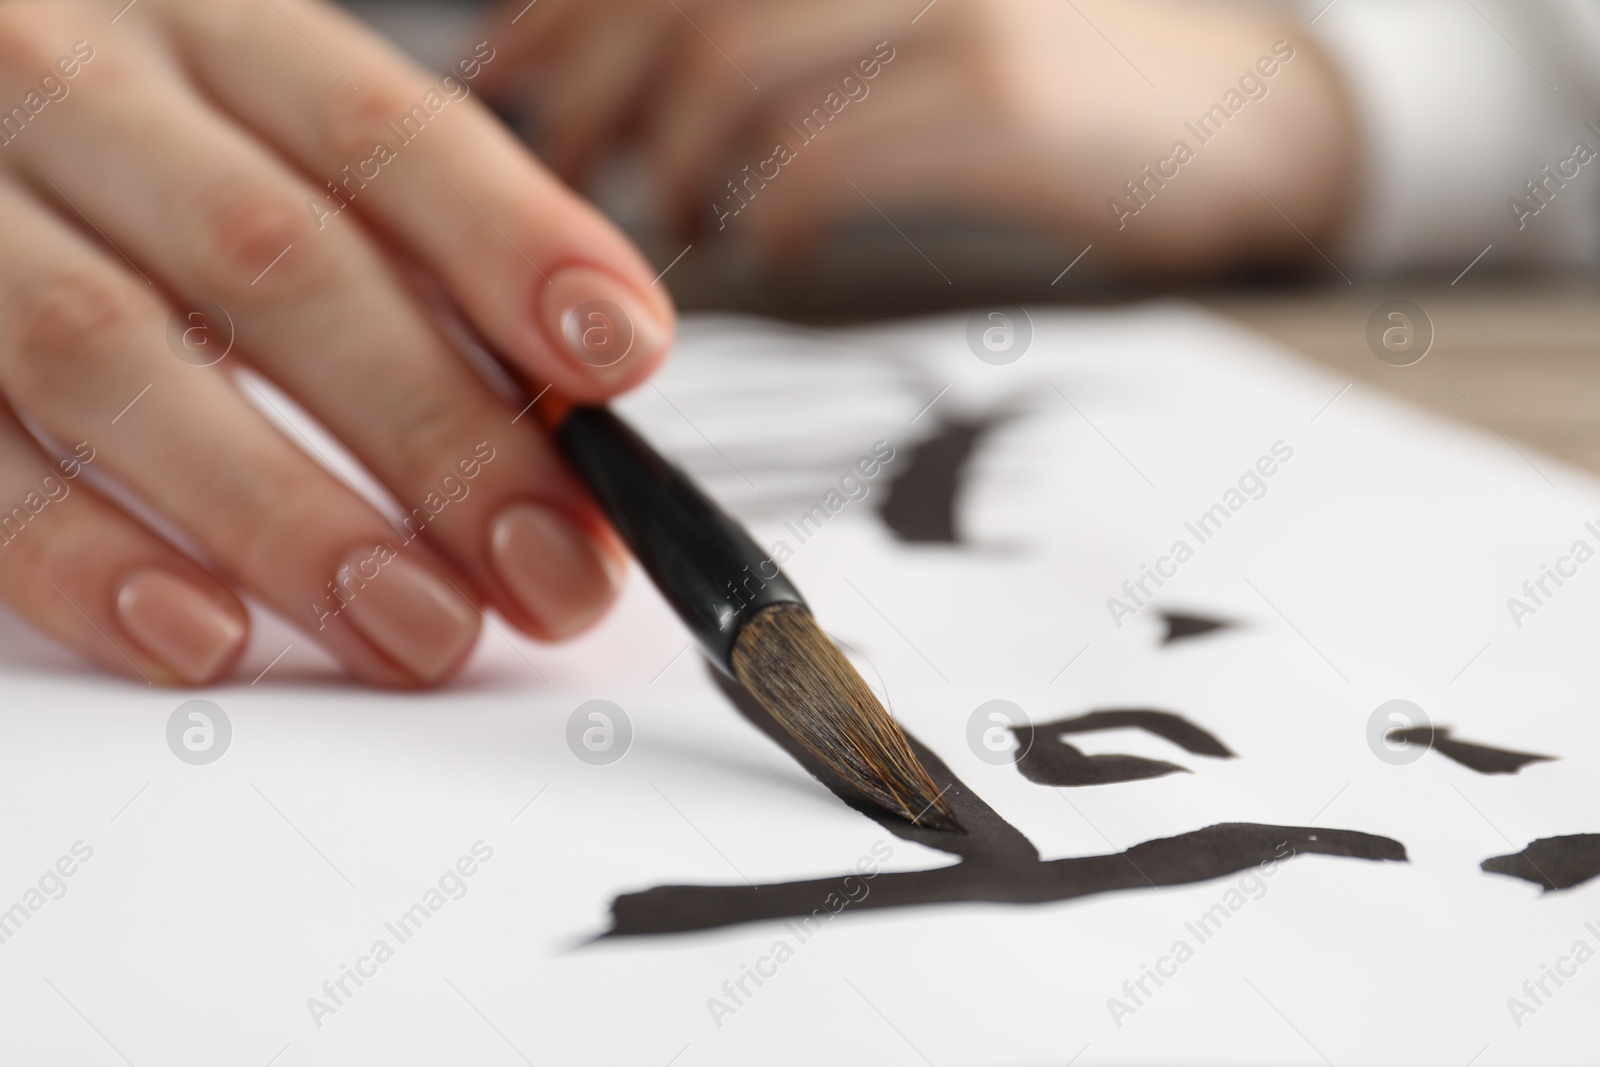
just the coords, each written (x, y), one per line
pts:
(1049, 759)
(997, 863)
(1485, 759)
(920, 503)
(1181, 626)
(1552, 862)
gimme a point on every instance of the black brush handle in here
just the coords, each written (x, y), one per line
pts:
(709, 569)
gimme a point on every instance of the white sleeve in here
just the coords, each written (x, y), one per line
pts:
(1460, 104)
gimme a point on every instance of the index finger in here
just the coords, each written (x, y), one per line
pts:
(541, 273)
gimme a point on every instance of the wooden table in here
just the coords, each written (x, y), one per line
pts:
(1520, 353)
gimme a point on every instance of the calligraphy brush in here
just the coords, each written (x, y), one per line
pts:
(747, 616)
(753, 625)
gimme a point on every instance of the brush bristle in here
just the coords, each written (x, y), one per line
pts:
(799, 675)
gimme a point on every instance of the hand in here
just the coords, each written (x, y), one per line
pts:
(754, 113)
(275, 160)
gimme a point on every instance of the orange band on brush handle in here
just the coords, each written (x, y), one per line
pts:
(551, 410)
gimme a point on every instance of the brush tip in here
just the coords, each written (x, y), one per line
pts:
(802, 679)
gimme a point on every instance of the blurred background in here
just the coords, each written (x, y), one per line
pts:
(1449, 167)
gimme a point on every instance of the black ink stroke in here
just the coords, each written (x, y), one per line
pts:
(919, 503)
(1484, 759)
(997, 863)
(1551, 862)
(1181, 626)
(1048, 759)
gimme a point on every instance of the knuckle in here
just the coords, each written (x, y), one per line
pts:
(353, 127)
(245, 228)
(24, 558)
(31, 37)
(45, 533)
(267, 515)
(66, 320)
(437, 429)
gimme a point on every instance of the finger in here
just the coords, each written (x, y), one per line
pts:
(523, 30)
(589, 89)
(83, 353)
(427, 164)
(325, 317)
(79, 569)
(701, 104)
(893, 154)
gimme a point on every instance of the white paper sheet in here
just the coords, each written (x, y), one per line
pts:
(220, 898)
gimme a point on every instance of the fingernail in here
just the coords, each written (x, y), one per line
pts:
(179, 624)
(417, 619)
(603, 327)
(552, 567)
